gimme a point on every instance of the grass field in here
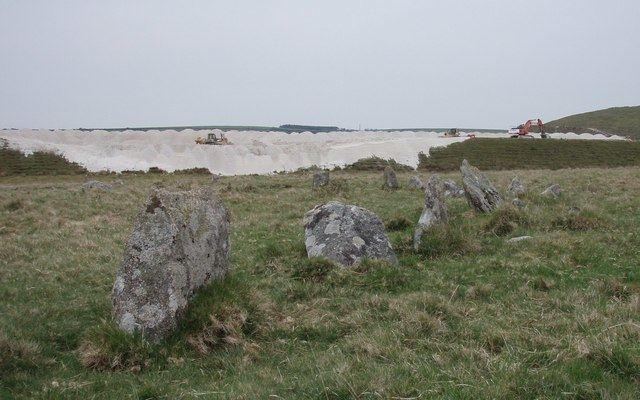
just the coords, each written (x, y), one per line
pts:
(466, 316)
(615, 120)
(505, 154)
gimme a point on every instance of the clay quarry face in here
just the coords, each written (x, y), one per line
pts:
(251, 152)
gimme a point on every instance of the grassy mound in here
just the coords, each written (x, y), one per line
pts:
(377, 164)
(615, 120)
(500, 154)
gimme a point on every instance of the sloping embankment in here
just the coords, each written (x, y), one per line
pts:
(501, 154)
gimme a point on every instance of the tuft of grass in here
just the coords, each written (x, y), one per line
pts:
(614, 289)
(226, 326)
(398, 223)
(618, 360)
(18, 355)
(505, 220)
(313, 269)
(13, 205)
(106, 347)
(446, 240)
(582, 221)
(494, 343)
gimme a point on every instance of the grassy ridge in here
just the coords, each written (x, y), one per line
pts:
(466, 316)
(532, 154)
(615, 120)
(14, 162)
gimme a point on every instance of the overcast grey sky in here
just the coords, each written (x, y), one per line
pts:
(376, 63)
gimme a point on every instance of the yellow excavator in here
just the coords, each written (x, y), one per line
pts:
(213, 139)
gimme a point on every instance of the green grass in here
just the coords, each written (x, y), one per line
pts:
(14, 162)
(466, 316)
(615, 120)
(506, 154)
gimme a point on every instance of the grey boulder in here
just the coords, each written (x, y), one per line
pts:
(96, 185)
(478, 189)
(451, 189)
(435, 208)
(346, 234)
(518, 203)
(553, 191)
(320, 178)
(516, 188)
(390, 179)
(415, 182)
(180, 242)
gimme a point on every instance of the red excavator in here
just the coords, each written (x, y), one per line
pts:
(522, 131)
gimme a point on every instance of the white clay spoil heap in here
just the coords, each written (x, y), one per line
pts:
(251, 152)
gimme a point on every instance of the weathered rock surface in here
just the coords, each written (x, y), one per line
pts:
(552, 191)
(180, 242)
(96, 185)
(518, 203)
(435, 208)
(518, 239)
(346, 234)
(451, 189)
(478, 189)
(320, 178)
(516, 188)
(390, 179)
(415, 182)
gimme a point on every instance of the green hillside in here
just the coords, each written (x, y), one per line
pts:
(616, 120)
(501, 154)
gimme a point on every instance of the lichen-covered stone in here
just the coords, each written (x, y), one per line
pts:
(516, 188)
(415, 182)
(478, 189)
(320, 178)
(180, 242)
(435, 208)
(518, 203)
(451, 189)
(553, 191)
(390, 179)
(346, 234)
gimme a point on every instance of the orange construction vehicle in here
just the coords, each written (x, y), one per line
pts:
(522, 131)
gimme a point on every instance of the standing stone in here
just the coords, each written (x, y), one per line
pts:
(553, 191)
(346, 234)
(180, 242)
(96, 185)
(516, 188)
(478, 189)
(320, 178)
(390, 179)
(415, 182)
(435, 208)
(451, 189)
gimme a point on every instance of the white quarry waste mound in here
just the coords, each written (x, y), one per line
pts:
(251, 152)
